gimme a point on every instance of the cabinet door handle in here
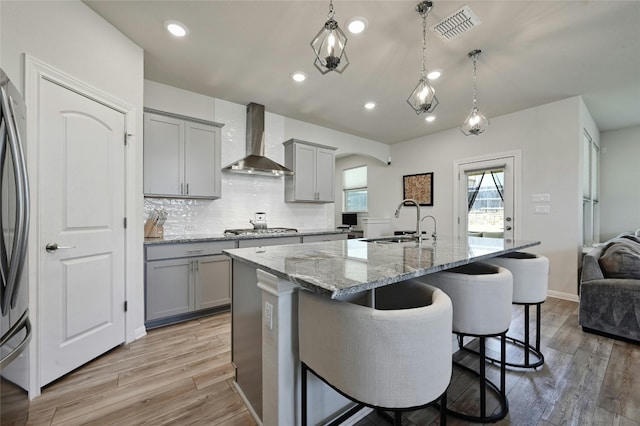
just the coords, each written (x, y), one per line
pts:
(187, 189)
(194, 250)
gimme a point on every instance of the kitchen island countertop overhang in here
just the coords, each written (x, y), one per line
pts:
(339, 268)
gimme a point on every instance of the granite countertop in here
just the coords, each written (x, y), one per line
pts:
(337, 268)
(174, 239)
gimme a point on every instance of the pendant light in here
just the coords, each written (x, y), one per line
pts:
(475, 122)
(423, 98)
(328, 45)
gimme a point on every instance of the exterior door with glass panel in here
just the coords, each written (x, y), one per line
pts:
(486, 198)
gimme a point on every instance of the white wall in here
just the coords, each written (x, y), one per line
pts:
(347, 144)
(72, 38)
(619, 181)
(243, 195)
(549, 139)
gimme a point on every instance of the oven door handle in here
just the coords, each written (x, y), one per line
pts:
(17, 327)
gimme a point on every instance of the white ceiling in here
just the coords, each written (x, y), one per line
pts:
(534, 52)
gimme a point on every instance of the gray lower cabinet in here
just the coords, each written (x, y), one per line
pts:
(169, 289)
(324, 237)
(186, 280)
(212, 279)
(264, 242)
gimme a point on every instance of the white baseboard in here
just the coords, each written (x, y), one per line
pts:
(140, 332)
(247, 404)
(565, 296)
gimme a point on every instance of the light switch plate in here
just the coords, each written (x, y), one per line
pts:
(540, 198)
(543, 209)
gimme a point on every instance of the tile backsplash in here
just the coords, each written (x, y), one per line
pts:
(242, 196)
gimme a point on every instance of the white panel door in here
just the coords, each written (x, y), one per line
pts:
(82, 193)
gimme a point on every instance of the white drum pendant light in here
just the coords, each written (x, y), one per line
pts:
(475, 122)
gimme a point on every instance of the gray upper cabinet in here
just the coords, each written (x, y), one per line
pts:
(313, 168)
(181, 156)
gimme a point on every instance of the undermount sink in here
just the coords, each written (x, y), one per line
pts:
(392, 240)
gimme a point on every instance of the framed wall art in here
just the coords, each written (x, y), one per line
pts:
(418, 187)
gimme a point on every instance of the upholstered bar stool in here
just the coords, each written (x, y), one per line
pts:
(481, 296)
(394, 357)
(530, 282)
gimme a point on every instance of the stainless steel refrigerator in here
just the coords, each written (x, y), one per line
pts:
(14, 294)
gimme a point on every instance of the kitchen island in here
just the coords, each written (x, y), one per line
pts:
(264, 306)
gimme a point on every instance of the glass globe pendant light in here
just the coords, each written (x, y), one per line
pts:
(475, 122)
(423, 98)
(328, 45)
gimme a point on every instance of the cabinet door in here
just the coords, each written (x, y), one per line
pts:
(325, 166)
(213, 281)
(202, 161)
(304, 173)
(168, 288)
(265, 242)
(324, 237)
(163, 155)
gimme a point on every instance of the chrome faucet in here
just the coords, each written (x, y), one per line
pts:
(418, 222)
(434, 235)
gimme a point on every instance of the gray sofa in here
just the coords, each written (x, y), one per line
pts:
(610, 288)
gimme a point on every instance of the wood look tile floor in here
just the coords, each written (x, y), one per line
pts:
(182, 375)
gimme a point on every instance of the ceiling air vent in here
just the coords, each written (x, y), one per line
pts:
(458, 23)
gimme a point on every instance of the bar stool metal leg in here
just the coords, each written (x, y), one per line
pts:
(303, 399)
(499, 392)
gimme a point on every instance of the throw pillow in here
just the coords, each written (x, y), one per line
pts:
(621, 259)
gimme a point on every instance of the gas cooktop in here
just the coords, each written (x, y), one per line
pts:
(263, 231)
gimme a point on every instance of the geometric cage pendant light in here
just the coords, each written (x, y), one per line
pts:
(476, 122)
(329, 45)
(423, 98)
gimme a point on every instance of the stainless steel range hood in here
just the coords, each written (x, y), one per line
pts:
(255, 162)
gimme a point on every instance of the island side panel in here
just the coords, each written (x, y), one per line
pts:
(246, 333)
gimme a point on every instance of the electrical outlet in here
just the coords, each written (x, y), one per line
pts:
(268, 315)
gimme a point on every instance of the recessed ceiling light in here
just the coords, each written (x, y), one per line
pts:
(433, 75)
(176, 28)
(299, 76)
(357, 25)
(429, 118)
(370, 105)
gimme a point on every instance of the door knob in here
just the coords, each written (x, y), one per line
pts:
(51, 247)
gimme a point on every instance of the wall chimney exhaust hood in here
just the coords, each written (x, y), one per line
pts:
(255, 162)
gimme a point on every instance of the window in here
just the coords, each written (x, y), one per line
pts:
(486, 201)
(590, 207)
(354, 184)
